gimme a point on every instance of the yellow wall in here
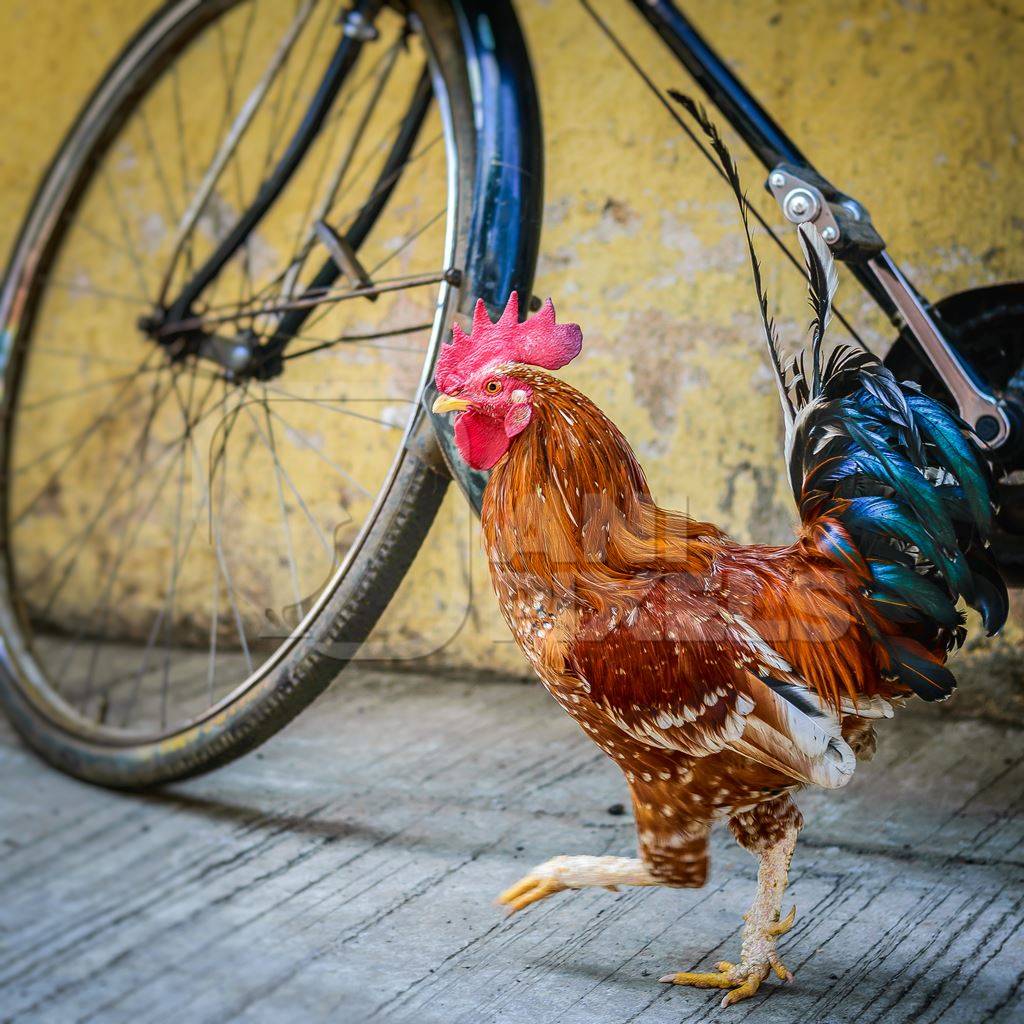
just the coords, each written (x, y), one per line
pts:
(914, 108)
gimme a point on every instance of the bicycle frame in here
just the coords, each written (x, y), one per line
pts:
(752, 122)
(878, 274)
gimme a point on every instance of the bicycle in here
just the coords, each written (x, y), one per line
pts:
(102, 671)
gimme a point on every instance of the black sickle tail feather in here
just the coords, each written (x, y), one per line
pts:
(886, 477)
(732, 175)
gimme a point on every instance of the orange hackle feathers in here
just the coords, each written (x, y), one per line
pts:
(571, 507)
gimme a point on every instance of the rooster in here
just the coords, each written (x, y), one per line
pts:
(722, 677)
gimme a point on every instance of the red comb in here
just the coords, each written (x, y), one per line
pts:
(538, 341)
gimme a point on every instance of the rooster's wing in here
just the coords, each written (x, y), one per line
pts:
(681, 675)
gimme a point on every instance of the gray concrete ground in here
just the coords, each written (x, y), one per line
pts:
(346, 873)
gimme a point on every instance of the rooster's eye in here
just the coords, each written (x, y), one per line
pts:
(492, 387)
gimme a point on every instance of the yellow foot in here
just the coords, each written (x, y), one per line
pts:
(744, 983)
(530, 889)
(744, 978)
(574, 873)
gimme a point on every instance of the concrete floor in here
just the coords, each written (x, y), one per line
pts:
(346, 873)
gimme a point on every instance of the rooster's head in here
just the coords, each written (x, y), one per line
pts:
(476, 375)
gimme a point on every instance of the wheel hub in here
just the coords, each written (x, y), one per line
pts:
(240, 356)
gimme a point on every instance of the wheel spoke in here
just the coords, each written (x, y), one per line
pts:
(425, 226)
(98, 615)
(107, 242)
(230, 143)
(80, 354)
(103, 603)
(169, 605)
(211, 669)
(228, 423)
(289, 549)
(97, 618)
(320, 33)
(80, 439)
(84, 389)
(80, 288)
(163, 624)
(322, 403)
(231, 79)
(302, 249)
(389, 179)
(158, 167)
(270, 442)
(309, 446)
(112, 495)
(77, 540)
(106, 414)
(222, 561)
(82, 436)
(186, 185)
(126, 233)
(230, 86)
(359, 341)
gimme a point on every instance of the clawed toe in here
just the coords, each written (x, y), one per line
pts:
(710, 979)
(747, 987)
(530, 889)
(743, 981)
(783, 926)
(782, 972)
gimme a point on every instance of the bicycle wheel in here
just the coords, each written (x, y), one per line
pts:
(201, 525)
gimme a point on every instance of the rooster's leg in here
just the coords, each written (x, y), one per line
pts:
(561, 873)
(773, 839)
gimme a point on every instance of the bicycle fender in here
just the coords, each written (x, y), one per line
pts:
(508, 191)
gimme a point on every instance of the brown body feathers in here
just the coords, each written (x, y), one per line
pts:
(668, 642)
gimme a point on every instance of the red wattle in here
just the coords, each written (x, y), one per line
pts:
(481, 439)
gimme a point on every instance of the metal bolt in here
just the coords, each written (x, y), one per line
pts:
(854, 208)
(800, 205)
(830, 234)
(355, 26)
(777, 179)
(237, 357)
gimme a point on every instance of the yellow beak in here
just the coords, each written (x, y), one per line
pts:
(445, 403)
